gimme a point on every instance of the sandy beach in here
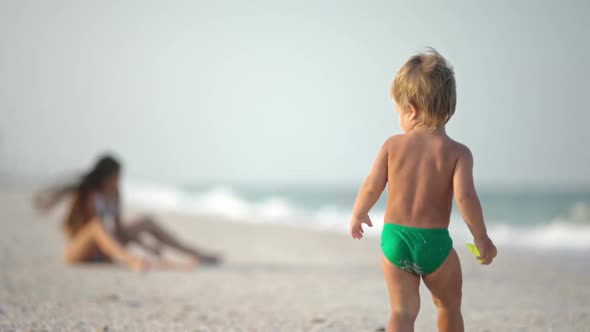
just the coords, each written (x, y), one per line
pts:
(275, 278)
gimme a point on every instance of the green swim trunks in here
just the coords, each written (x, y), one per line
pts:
(417, 250)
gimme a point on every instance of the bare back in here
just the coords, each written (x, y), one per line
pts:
(420, 167)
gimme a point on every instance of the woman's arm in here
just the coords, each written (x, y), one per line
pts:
(118, 221)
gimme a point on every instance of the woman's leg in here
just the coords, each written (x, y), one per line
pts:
(133, 234)
(93, 238)
(147, 225)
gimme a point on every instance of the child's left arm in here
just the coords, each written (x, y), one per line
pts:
(369, 194)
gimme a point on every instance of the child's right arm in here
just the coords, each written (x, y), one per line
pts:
(470, 207)
(369, 194)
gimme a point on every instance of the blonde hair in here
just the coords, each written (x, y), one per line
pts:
(427, 82)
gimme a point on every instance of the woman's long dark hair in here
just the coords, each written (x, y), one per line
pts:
(105, 167)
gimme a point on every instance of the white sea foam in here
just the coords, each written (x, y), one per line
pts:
(563, 233)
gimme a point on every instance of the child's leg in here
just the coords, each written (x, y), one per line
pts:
(445, 285)
(403, 297)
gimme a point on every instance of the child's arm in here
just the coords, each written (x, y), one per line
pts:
(470, 207)
(369, 194)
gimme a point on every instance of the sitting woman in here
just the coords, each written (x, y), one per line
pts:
(94, 228)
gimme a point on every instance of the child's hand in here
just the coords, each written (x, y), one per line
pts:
(356, 225)
(487, 250)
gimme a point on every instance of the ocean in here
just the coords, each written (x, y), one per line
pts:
(537, 219)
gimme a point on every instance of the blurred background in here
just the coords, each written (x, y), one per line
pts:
(271, 111)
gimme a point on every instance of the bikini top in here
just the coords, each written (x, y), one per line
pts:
(107, 211)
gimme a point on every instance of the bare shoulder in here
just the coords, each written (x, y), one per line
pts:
(392, 141)
(461, 150)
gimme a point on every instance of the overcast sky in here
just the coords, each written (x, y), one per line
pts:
(286, 92)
